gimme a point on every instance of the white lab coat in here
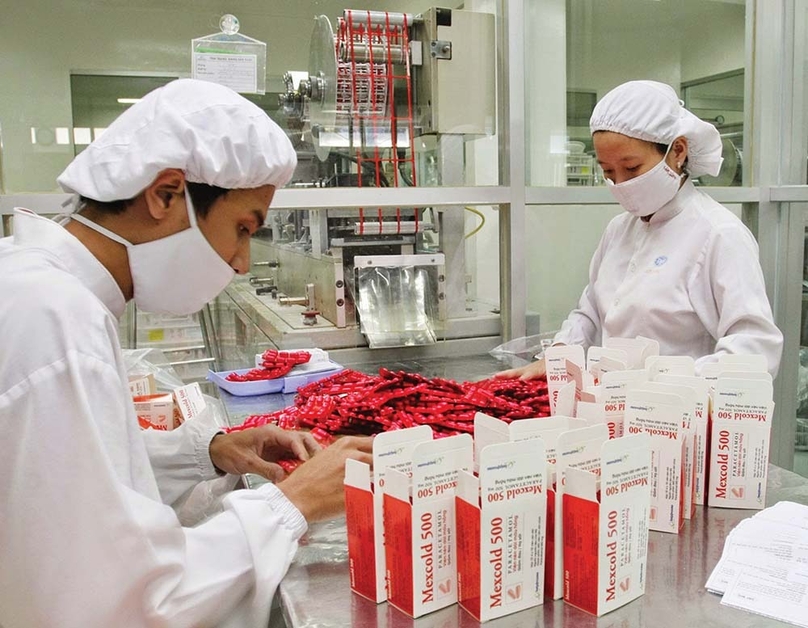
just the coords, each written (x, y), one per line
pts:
(690, 278)
(86, 536)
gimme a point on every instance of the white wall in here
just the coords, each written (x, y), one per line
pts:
(546, 91)
(612, 41)
(713, 44)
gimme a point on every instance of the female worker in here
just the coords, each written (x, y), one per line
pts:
(676, 266)
(170, 195)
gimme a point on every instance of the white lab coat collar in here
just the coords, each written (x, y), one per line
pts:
(34, 231)
(674, 207)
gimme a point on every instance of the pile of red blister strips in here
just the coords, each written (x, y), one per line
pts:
(274, 364)
(351, 402)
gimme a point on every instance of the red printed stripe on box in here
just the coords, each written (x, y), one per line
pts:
(468, 556)
(359, 511)
(581, 553)
(708, 443)
(682, 484)
(398, 552)
(549, 554)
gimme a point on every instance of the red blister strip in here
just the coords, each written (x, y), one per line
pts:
(355, 403)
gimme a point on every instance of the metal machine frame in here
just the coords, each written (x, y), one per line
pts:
(376, 83)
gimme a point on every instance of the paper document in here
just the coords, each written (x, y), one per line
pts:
(754, 542)
(787, 512)
(764, 566)
(774, 590)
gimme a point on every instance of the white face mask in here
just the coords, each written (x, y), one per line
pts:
(648, 193)
(177, 274)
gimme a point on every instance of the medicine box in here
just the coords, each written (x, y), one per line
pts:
(742, 411)
(606, 526)
(419, 526)
(661, 415)
(364, 504)
(501, 522)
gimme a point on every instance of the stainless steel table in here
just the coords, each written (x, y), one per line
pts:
(316, 591)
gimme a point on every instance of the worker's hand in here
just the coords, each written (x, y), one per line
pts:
(533, 370)
(256, 450)
(316, 487)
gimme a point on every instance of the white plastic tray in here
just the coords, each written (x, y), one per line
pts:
(299, 376)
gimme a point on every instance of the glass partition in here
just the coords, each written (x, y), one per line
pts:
(369, 99)
(577, 50)
(801, 430)
(720, 100)
(799, 284)
(561, 241)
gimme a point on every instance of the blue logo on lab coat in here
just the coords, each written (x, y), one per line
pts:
(659, 261)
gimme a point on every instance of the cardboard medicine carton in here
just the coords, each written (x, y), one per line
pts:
(595, 354)
(419, 526)
(661, 417)
(606, 527)
(364, 507)
(155, 412)
(699, 425)
(577, 448)
(670, 365)
(189, 402)
(141, 385)
(742, 411)
(583, 450)
(613, 394)
(556, 364)
(501, 522)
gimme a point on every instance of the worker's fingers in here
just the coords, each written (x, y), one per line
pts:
(363, 457)
(534, 370)
(304, 446)
(269, 470)
(312, 446)
(274, 441)
(360, 443)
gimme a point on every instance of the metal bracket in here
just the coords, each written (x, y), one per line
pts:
(440, 49)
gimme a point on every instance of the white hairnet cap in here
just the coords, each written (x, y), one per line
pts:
(651, 111)
(207, 130)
